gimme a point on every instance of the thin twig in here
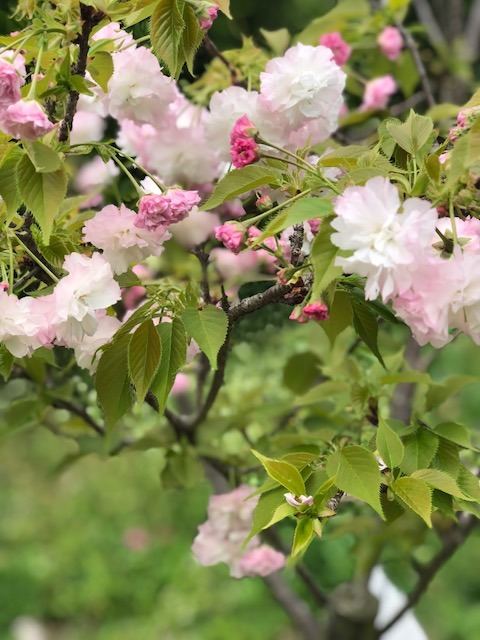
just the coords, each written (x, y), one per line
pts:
(422, 72)
(81, 412)
(215, 52)
(453, 539)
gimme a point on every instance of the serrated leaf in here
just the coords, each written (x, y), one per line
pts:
(144, 353)
(468, 483)
(416, 494)
(44, 158)
(340, 316)
(166, 29)
(439, 480)
(271, 505)
(174, 350)
(302, 537)
(438, 393)
(101, 69)
(224, 6)
(8, 183)
(322, 255)
(389, 445)
(457, 433)
(420, 449)
(240, 181)
(192, 37)
(300, 211)
(355, 470)
(365, 324)
(6, 362)
(208, 327)
(447, 457)
(391, 508)
(412, 134)
(112, 381)
(284, 473)
(42, 193)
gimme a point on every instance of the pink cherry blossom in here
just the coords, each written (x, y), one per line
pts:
(25, 119)
(196, 228)
(19, 324)
(113, 31)
(208, 17)
(298, 502)
(316, 311)
(378, 92)
(390, 42)
(387, 240)
(10, 83)
(86, 349)
(340, 49)
(231, 235)
(253, 233)
(113, 230)
(261, 561)
(303, 85)
(181, 384)
(244, 152)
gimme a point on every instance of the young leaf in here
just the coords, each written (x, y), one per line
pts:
(101, 69)
(144, 353)
(420, 449)
(365, 324)
(456, 433)
(113, 382)
(174, 348)
(240, 181)
(284, 473)
(323, 255)
(413, 134)
(6, 362)
(192, 37)
(355, 470)
(45, 159)
(468, 483)
(447, 458)
(208, 327)
(389, 445)
(8, 183)
(303, 536)
(440, 480)
(271, 508)
(42, 193)
(340, 316)
(416, 494)
(166, 29)
(298, 212)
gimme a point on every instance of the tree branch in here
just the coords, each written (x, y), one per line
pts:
(422, 72)
(428, 21)
(259, 300)
(90, 18)
(295, 608)
(452, 540)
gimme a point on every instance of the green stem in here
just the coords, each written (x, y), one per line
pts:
(263, 215)
(11, 267)
(33, 85)
(138, 189)
(452, 220)
(161, 186)
(37, 260)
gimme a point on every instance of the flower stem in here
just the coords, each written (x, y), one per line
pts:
(452, 220)
(37, 260)
(128, 174)
(33, 85)
(279, 206)
(161, 186)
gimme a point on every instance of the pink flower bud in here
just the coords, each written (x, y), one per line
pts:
(25, 119)
(230, 235)
(182, 202)
(297, 315)
(264, 203)
(208, 16)
(340, 49)
(301, 501)
(156, 210)
(243, 128)
(4, 286)
(316, 311)
(378, 92)
(390, 42)
(314, 224)
(462, 118)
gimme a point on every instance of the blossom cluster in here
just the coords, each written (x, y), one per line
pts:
(73, 315)
(428, 267)
(222, 537)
